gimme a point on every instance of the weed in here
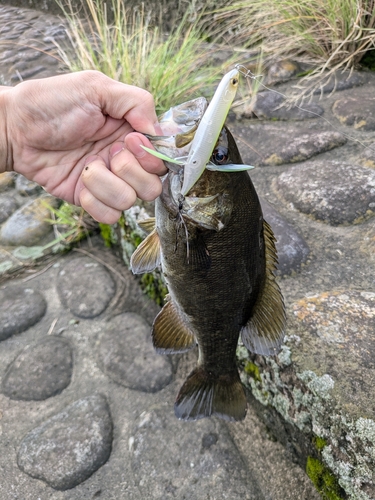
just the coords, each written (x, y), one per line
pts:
(131, 48)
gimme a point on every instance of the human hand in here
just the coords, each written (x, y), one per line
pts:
(74, 135)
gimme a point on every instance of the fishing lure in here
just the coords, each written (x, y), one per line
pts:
(206, 136)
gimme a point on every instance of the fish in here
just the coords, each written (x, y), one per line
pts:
(218, 258)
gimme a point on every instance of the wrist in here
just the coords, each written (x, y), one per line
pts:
(6, 162)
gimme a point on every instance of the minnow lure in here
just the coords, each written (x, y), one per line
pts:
(207, 135)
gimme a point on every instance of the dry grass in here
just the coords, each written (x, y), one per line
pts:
(130, 47)
(329, 35)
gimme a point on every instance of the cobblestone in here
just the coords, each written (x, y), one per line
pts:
(87, 402)
(127, 355)
(40, 371)
(66, 449)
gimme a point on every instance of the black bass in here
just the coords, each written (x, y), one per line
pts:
(218, 258)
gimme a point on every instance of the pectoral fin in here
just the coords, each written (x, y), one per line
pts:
(264, 332)
(170, 335)
(197, 255)
(148, 225)
(147, 255)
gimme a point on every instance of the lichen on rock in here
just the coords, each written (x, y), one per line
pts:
(319, 387)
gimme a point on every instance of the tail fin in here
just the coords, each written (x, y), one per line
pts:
(204, 396)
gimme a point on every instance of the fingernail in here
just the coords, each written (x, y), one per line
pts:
(136, 150)
(158, 130)
(116, 149)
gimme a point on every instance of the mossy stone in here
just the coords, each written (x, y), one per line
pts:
(323, 480)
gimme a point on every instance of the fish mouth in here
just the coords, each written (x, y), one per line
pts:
(178, 126)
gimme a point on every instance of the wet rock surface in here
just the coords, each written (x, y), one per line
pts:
(7, 180)
(367, 157)
(341, 80)
(273, 144)
(271, 106)
(27, 225)
(26, 187)
(358, 113)
(86, 405)
(8, 205)
(29, 49)
(292, 249)
(282, 71)
(341, 326)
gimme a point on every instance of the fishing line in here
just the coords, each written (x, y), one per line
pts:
(181, 222)
(249, 74)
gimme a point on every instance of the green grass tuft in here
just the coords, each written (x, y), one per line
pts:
(70, 223)
(133, 49)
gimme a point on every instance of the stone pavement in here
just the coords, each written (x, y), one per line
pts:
(86, 406)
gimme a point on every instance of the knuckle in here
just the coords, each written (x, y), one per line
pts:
(147, 98)
(129, 197)
(89, 174)
(110, 216)
(121, 167)
(86, 199)
(152, 191)
(93, 75)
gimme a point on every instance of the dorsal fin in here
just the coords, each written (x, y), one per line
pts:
(170, 333)
(147, 255)
(148, 225)
(264, 332)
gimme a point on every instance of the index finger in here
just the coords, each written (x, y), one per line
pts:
(123, 101)
(151, 164)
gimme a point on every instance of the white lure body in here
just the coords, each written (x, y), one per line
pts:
(208, 131)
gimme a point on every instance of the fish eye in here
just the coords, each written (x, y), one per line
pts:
(220, 155)
(234, 81)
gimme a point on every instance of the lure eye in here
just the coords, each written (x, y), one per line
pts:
(220, 155)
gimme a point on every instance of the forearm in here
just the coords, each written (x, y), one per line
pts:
(6, 162)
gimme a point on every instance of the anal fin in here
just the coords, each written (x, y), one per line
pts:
(147, 255)
(170, 335)
(204, 396)
(264, 332)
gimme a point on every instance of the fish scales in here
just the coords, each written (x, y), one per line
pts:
(217, 296)
(218, 258)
